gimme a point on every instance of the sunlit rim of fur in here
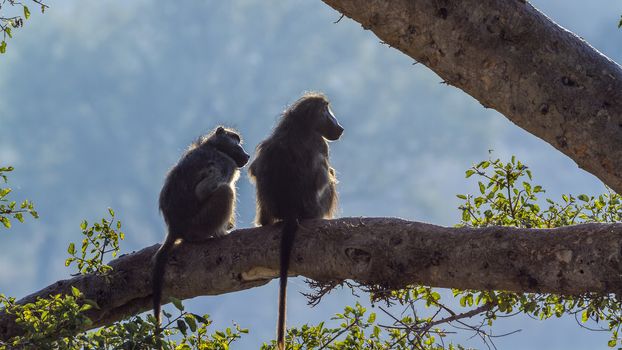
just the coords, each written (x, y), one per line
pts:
(306, 95)
(203, 138)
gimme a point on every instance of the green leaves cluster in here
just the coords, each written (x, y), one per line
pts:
(184, 331)
(9, 208)
(99, 239)
(18, 13)
(48, 323)
(52, 323)
(193, 329)
(505, 196)
(358, 329)
(508, 198)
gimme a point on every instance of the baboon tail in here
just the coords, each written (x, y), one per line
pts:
(290, 226)
(157, 276)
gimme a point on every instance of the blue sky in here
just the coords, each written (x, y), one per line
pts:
(98, 99)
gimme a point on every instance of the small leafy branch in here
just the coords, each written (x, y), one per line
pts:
(99, 239)
(52, 322)
(357, 329)
(56, 317)
(507, 198)
(9, 208)
(20, 13)
(193, 329)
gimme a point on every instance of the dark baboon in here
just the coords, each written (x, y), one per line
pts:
(294, 179)
(198, 197)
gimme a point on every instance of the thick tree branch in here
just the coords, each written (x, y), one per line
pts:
(512, 58)
(380, 251)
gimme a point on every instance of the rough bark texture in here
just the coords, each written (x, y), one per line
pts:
(389, 252)
(512, 58)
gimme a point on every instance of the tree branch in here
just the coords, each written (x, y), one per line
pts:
(388, 252)
(513, 58)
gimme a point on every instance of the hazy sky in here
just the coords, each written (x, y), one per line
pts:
(98, 99)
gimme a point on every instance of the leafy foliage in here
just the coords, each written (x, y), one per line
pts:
(100, 239)
(18, 13)
(51, 323)
(9, 208)
(46, 320)
(507, 198)
(137, 334)
(358, 330)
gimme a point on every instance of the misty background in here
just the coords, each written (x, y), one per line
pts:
(99, 99)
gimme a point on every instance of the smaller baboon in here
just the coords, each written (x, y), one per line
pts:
(197, 200)
(294, 179)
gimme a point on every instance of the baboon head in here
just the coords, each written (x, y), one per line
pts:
(312, 111)
(228, 142)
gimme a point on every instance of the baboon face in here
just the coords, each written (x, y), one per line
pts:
(328, 126)
(228, 142)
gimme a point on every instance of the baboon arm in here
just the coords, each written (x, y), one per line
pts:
(214, 216)
(209, 179)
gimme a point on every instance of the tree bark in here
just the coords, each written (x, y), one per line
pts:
(388, 252)
(513, 58)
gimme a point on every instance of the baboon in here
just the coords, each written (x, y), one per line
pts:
(294, 179)
(197, 200)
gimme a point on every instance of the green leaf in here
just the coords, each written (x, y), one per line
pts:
(461, 196)
(71, 249)
(75, 291)
(482, 188)
(469, 173)
(191, 322)
(7, 30)
(177, 303)
(584, 316)
(182, 326)
(583, 198)
(26, 12)
(611, 343)
(3, 47)
(5, 221)
(111, 212)
(200, 318)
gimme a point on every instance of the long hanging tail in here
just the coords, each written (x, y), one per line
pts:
(157, 276)
(290, 226)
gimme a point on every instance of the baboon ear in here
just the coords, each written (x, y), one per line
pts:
(220, 130)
